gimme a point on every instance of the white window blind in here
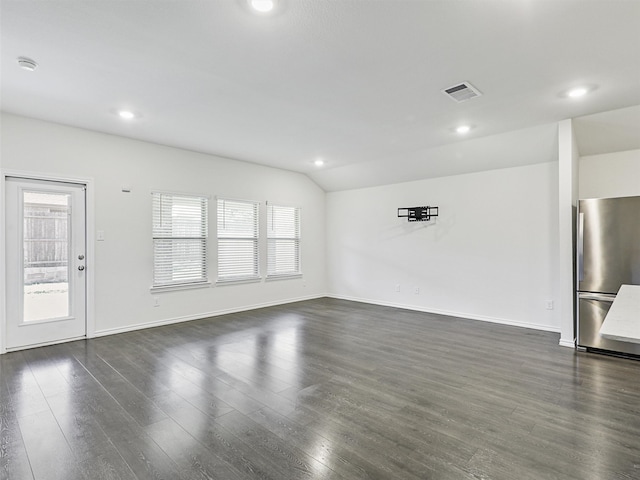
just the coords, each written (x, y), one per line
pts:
(179, 239)
(237, 240)
(283, 240)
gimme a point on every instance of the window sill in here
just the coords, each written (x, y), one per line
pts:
(184, 286)
(284, 276)
(236, 281)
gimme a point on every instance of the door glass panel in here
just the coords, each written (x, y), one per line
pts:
(46, 255)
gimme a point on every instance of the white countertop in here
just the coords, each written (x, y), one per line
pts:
(623, 319)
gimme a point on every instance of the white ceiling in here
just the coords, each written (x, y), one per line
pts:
(354, 82)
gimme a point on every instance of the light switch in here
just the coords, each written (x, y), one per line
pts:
(100, 235)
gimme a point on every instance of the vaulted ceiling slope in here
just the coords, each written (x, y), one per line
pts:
(356, 83)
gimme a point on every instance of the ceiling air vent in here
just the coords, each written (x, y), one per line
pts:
(462, 92)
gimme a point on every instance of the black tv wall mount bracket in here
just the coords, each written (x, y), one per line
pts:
(418, 214)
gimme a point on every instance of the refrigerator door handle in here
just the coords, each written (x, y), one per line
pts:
(601, 297)
(580, 246)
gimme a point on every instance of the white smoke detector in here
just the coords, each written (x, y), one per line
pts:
(27, 64)
(462, 92)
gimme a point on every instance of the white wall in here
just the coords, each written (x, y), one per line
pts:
(491, 254)
(610, 175)
(567, 207)
(123, 262)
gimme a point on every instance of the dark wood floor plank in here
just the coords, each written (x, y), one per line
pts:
(387, 445)
(344, 461)
(125, 393)
(92, 404)
(209, 389)
(252, 464)
(14, 462)
(49, 454)
(106, 466)
(22, 386)
(93, 450)
(320, 389)
(141, 454)
(193, 459)
(293, 463)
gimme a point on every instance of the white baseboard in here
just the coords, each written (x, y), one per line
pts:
(199, 316)
(44, 344)
(469, 316)
(567, 343)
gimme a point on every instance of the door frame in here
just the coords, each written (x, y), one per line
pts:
(90, 248)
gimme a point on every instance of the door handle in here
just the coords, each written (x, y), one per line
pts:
(81, 267)
(600, 297)
(580, 247)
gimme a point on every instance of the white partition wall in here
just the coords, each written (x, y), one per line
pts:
(567, 204)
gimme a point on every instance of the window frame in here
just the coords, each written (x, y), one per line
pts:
(272, 239)
(254, 239)
(157, 236)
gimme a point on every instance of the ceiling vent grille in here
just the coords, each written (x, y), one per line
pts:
(462, 92)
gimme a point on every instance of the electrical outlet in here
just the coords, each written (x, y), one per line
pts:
(397, 287)
(416, 290)
(549, 304)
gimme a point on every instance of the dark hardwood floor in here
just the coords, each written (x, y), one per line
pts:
(323, 389)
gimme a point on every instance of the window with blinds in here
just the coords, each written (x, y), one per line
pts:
(179, 239)
(283, 241)
(237, 240)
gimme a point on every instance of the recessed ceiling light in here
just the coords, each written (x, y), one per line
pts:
(577, 92)
(319, 162)
(126, 114)
(262, 6)
(462, 129)
(27, 64)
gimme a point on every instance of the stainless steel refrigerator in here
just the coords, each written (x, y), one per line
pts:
(608, 248)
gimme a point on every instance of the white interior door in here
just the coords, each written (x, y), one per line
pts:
(45, 257)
